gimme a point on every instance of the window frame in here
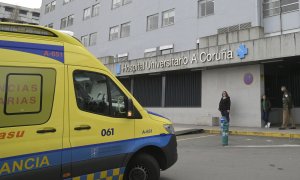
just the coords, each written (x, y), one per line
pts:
(95, 7)
(71, 18)
(107, 79)
(205, 2)
(47, 8)
(89, 15)
(163, 13)
(23, 12)
(116, 5)
(65, 20)
(125, 2)
(94, 41)
(148, 22)
(53, 5)
(6, 94)
(279, 8)
(122, 34)
(87, 40)
(66, 2)
(47, 97)
(110, 34)
(50, 25)
(35, 14)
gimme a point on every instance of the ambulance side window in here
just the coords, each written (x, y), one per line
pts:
(26, 96)
(91, 92)
(98, 94)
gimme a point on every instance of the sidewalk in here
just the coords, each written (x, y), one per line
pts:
(242, 131)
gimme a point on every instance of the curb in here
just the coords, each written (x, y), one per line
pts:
(252, 133)
(189, 131)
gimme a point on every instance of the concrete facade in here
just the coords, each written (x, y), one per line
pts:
(18, 14)
(213, 44)
(185, 32)
(226, 74)
(243, 98)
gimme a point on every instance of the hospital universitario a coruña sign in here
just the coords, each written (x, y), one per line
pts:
(202, 57)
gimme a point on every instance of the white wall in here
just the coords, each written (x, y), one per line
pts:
(245, 109)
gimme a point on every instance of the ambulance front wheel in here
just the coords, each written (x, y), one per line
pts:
(143, 167)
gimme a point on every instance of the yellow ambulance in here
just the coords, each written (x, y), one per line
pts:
(64, 115)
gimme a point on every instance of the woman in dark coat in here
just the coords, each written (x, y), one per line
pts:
(265, 110)
(224, 105)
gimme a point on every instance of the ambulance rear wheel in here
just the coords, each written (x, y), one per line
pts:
(143, 167)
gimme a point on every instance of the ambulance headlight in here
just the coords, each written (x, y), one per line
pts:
(169, 128)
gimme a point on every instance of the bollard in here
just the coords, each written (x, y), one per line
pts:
(224, 130)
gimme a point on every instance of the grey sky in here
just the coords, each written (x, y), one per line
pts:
(25, 3)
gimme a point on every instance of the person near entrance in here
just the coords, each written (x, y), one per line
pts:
(224, 105)
(265, 110)
(287, 105)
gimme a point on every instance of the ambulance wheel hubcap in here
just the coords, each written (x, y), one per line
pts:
(138, 173)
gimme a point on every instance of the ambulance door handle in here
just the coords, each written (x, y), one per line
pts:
(46, 130)
(82, 127)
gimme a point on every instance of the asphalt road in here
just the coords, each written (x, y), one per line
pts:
(201, 157)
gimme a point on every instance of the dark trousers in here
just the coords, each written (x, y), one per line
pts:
(226, 114)
(265, 116)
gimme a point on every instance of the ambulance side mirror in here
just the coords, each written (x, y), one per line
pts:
(130, 108)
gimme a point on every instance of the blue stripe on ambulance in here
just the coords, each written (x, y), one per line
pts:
(51, 51)
(52, 158)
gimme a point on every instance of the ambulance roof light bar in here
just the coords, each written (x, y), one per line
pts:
(13, 28)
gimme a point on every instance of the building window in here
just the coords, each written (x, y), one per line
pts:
(85, 40)
(150, 52)
(87, 13)
(152, 22)
(114, 33)
(116, 3)
(122, 57)
(50, 7)
(289, 5)
(276, 7)
(34, 103)
(63, 23)
(47, 8)
(71, 20)
(23, 12)
(185, 86)
(168, 17)
(148, 90)
(53, 4)
(271, 8)
(50, 25)
(67, 21)
(126, 2)
(93, 39)
(67, 1)
(9, 9)
(167, 49)
(95, 10)
(206, 8)
(35, 14)
(125, 30)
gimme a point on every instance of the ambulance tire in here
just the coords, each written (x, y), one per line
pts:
(143, 167)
